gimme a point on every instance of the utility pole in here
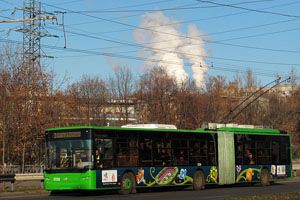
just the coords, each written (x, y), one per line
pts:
(33, 30)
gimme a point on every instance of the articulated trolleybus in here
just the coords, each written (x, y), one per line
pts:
(156, 155)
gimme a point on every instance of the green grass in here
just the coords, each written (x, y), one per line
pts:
(282, 196)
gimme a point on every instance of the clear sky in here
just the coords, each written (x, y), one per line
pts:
(263, 35)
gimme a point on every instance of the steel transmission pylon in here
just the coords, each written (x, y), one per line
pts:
(33, 31)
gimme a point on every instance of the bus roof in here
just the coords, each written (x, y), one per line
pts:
(250, 130)
(258, 131)
(126, 128)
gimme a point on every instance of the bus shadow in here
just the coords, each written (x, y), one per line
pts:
(115, 192)
(164, 189)
(242, 185)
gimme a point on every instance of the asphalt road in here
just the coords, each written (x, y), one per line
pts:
(224, 192)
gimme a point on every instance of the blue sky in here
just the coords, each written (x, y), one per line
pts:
(263, 35)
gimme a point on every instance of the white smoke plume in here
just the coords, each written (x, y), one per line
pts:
(171, 49)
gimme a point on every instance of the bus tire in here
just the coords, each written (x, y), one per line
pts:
(198, 181)
(128, 184)
(264, 177)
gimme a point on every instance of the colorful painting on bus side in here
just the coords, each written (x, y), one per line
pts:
(213, 175)
(247, 175)
(172, 176)
(165, 176)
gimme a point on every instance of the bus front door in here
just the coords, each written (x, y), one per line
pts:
(226, 158)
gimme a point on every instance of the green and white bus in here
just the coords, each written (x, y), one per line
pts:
(142, 156)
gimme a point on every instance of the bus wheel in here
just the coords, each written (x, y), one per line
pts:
(128, 184)
(198, 180)
(264, 177)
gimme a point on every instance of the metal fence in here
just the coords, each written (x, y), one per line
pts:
(12, 178)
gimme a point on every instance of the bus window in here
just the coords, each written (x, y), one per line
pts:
(180, 152)
(263, 149)
(157, 147)
(239, 153)
(284, 150)
(249, 153)
(133, 152)
(211, 152)
(71, 153)
(240, 156)
(103, 153)
(126, 152)
(195, 156)
(122, 149)
(161, 152)
(275, 152)
(165, 156)
(202, 151)
(145, 152)
(249, 157)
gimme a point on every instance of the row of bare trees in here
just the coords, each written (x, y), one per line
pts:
(30, 103)
(24, 113)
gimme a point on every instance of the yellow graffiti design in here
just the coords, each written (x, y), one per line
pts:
(213, 175)
(247, 174)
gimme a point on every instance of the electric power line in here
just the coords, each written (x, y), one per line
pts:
(136, 27)
(188, 21)
(162, 9)
(224, 58)
(221, 42)
(157, 49)
(7, 2)
(261, 34)
(250, 9)
(127, 57)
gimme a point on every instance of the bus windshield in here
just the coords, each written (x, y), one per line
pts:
(69, 154)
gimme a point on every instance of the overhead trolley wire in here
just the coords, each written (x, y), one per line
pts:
(221, 42)
(258, 35)
(127, 57)
(139, 5)
(259, 72)
(189, 21)
(141, 46)
(7, 2)
(147, 28)
(249, 9)
(162, 9)
(129, 25)
(149, 48)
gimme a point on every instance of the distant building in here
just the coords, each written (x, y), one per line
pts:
(114, 112)
(285, 90)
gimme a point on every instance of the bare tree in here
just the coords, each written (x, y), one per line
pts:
(190, 104)
(89, 96)
(25, 85)
(122, 87)
(9, 61)
(157, 92)
(217, 98)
